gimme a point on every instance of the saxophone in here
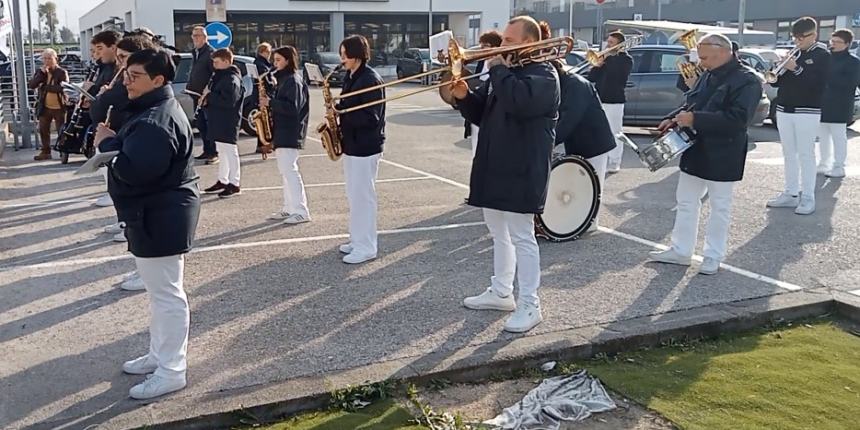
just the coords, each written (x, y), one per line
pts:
(262, 119)
(330, 134)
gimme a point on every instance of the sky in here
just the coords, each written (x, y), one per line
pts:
(71, 8)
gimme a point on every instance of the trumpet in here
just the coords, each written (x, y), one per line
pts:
(771, 76)
(594, 58)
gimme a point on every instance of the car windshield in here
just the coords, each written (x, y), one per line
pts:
(769, 56)
(425, 54)
(329, 58)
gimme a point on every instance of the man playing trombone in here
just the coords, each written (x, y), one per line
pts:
(801, 81)
(610, 76)
(516, 110)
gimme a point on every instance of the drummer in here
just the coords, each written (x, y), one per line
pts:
(582, 124)
(724, 103)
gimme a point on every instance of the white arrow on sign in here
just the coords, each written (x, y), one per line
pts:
(218, 37)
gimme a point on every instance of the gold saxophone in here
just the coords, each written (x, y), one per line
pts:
(329, 131)
(262, 119)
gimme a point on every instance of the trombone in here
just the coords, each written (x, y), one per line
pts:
(771, 76)
(594, 58)
(457, 58)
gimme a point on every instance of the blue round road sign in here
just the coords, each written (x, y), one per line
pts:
(219, 35)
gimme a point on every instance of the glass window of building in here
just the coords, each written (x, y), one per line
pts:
(391, 35)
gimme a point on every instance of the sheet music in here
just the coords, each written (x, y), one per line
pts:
(92, 165)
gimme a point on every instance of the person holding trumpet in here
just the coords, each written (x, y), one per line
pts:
(516, 111)
(610, 76)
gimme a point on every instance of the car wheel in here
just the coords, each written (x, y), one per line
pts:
(249, 110)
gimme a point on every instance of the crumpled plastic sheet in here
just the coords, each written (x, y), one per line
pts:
(563, 398)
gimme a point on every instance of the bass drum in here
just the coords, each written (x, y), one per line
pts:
(572, 200)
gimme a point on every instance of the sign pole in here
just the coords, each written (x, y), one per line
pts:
(742, 12)
(23, 102)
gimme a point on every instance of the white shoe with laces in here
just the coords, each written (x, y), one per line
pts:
(669, 256)
(140, 366)
(296, 219)
(134, 283)
(120, 237)
(710, 266)
(784, 200)
(836, 172)
(355, 258)
(525, 318)
(155, 386)
(490, 300)
(104, 201)
(346, 248)
(115, 228)
(806, 206)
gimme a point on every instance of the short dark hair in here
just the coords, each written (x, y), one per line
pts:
(617, 35)
(845, 34)
(492, 38)
(804, 25)
(356, 47)
(531, 28)
(224, 54)
(291, 55)
(107, 38)
(156, 62)
(136, 42)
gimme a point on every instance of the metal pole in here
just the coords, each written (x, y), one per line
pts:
(599, 23)
(430, 24)
(30, 29)
(659, 10)
(23, 103)
(570, 18)
(742, 13)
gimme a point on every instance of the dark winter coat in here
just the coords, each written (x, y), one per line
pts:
(116, 96)
(202, 69)
(611, 78)
(106, 73)
(40, 81)
(224, 106)
(582, 124)
(838, 104)
(290, 109)
(363, 130)
(801, 90)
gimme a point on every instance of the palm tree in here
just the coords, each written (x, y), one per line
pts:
(48, 13)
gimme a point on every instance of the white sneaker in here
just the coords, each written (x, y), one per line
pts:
(130, 275)
(104, 201)
(279, 216)
(806, 206)
(783, 200)
(296, 219)
(822, 169)
(115, 228)
(836, 172)
(710, 266)
(526, 317)
(592, 228)
(133, 284)
(489, 300)
(155, 386)
(354, 258)
(346, 248)
(613, 168)
(670, 256)
(120, 237)
(140, 366)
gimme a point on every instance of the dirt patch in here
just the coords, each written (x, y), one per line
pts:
(477, 403)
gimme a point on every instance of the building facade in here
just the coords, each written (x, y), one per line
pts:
(391, 26)
(766, 15)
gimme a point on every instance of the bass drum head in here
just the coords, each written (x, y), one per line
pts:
(572, 201)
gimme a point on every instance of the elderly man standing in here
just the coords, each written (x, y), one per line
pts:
(201, 73)
(724, 101)
(48, 80)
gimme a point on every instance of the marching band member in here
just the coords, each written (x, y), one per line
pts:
(51, 105)
(222, 102)
(262, 61)
(610, 77)
(201, 73)
(838, 105)
(724, 102)
(363, 139)
(290, 110)
(582, 125)
(104, 46)
(798, 114)
(517, 114)
(490, 39)
(154, 184)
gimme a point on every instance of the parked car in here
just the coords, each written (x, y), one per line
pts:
(651, 89)
(763, 60)
(413, 61)
(327, 61)
(575, 58)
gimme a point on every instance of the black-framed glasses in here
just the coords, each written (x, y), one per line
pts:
(803, 36)
(132, 76)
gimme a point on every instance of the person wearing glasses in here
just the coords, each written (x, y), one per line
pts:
(154, 187)
(838, 105)
(723, 102)
(798, 115)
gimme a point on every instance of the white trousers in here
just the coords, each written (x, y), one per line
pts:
(515, 251)
(360, 174)
(295, 199)
(229, 171)
(600, 164)
(615, 115)
(689, 195)
(168, 311)
(474, 138)
(832, 145)
(797, 132)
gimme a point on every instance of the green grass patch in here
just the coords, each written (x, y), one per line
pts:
(805, 376)
(381, 415)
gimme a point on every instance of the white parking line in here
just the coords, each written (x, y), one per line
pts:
(336, 184)
(266, 243)
(41, 204)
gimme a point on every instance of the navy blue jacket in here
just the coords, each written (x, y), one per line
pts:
(103, 77)
(152, 181)
(838, 104)
(516, 110)
(611, 78)
(224, 106)
(724, 103)
(201, 69)
(290, 109)
(116, 96)
(363, 130)
(582, 124)
(263, 65)
(801, 91)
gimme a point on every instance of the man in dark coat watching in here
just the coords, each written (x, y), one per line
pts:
(724, 102)
(516, 109)
(154, 188)
(201, 73)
